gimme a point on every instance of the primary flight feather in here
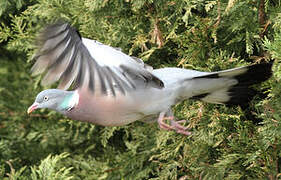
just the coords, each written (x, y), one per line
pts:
(113, 89)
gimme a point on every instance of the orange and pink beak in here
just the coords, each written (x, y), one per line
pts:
(32, 107)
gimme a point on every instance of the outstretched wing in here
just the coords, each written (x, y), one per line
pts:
(65, 56)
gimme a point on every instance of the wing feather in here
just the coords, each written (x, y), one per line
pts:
(67, 57)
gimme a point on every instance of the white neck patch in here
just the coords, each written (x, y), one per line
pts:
(74, 100)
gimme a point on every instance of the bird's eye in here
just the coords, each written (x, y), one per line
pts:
(46, 98)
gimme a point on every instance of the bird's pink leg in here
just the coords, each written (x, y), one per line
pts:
(175, 125)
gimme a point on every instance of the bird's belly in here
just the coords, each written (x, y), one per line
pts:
(109, 119)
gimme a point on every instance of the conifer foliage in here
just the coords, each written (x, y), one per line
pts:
(227, 142)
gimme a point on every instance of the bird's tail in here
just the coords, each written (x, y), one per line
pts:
(231, 86)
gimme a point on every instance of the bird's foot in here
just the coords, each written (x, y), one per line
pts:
(174, 125)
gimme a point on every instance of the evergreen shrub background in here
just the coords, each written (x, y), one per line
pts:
(227, 142)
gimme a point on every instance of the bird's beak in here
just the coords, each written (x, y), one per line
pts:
(32, 107)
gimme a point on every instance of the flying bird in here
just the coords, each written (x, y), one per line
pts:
(111, 88)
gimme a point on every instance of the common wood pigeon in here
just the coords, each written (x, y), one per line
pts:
(114, 89)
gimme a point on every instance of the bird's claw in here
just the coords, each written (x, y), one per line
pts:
(175, 125)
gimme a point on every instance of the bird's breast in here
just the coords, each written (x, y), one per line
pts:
(105, 110)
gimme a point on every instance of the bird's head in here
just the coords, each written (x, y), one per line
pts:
(55, 99)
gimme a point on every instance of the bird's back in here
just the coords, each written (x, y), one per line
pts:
(175, 75)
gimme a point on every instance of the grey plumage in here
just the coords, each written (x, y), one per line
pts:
(65, 57)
